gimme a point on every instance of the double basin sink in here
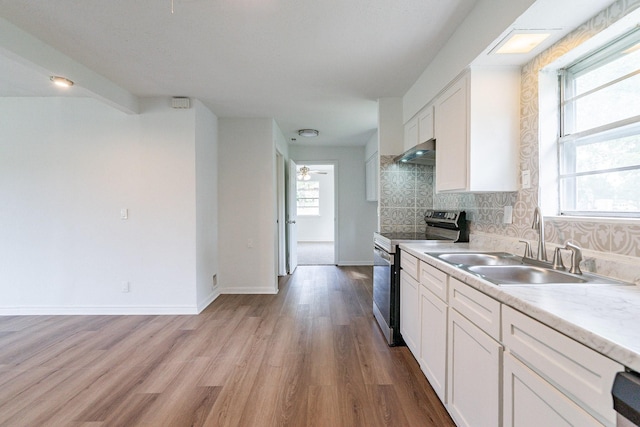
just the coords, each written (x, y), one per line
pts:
(502, 268)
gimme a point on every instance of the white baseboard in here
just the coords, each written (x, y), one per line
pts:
(209, 299)
(355, 263)
(248, 290)
(97, 310)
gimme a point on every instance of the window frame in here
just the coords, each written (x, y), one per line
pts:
(612, 130)
(298, 198)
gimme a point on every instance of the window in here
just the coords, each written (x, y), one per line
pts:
(599, 144)
(308, 197)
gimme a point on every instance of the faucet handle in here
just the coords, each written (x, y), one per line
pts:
(557, 260)
(527, 249)
(576, 257)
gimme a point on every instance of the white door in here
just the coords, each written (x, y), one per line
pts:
(292, 216)
(281, 240)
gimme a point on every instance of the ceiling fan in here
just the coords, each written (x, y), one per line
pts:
(304, 173)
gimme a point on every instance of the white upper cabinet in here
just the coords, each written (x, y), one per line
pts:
(477, 130)
(425, 124)
(411, 134)
(420, 128)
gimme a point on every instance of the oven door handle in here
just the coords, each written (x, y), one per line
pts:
(382, 254)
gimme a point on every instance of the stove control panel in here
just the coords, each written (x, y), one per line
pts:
(442, 216)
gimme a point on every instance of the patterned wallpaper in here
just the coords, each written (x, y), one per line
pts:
(415, 184)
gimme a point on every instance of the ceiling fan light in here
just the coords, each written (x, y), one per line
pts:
(308, 133)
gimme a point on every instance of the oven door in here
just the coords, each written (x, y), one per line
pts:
(383, 274)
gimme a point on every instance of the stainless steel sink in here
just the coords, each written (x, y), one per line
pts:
(480, 258)
(502, 268)
(524, 274)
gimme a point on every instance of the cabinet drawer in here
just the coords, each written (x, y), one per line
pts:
(409, 264)
(434, 280)
(581, 373)
(480, 309)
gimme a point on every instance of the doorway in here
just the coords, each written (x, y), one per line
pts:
(315, 200)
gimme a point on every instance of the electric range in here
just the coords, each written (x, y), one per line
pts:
(440, 227)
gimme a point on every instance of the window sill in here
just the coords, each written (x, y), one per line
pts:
(601, 219)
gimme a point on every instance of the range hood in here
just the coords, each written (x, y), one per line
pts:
(422, 154)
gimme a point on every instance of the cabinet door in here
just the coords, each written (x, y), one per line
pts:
(577, 370)
(452, 137)
(530, 401)
(409, 312)
(411, 134)
(473, 380)
(425, 124)
(371, 178)
(433, 341)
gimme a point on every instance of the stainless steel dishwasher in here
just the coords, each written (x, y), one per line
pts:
(626, 399)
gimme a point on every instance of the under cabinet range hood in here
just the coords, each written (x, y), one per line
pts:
(422, 154)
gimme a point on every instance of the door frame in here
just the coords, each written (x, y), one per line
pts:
(336, 197)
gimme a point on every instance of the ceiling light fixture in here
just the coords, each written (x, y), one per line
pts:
(308, 133)
(61, 81)
(521, 41)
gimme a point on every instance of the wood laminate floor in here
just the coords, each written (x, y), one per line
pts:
(310, 356)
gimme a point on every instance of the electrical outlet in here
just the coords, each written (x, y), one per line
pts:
(214, 281)
(124, 213)
(508, 215)
(125, 287)
(526, 179)
(250, 243)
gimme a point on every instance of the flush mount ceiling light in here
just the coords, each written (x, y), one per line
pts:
(308, 133)
(521, 41)
(61, 81)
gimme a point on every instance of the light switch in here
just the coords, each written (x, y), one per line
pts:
(124, 213)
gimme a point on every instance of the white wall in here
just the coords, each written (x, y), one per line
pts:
(206, 142)
(319, 228)
(390, 127)
(67, 167)
(246, 206)
(486, 21)
(356, 218)
(371, 147)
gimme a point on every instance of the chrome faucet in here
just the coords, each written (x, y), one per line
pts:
(538, 224)
(576, 257)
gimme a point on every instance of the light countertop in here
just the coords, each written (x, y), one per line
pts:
(605, 318)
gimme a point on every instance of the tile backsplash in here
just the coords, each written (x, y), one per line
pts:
(406, 192)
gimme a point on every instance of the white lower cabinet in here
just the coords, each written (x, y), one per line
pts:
(578, 372)
(474, 385)
(494, 366)
(530, 401)
(433, 341)
(409, 312)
